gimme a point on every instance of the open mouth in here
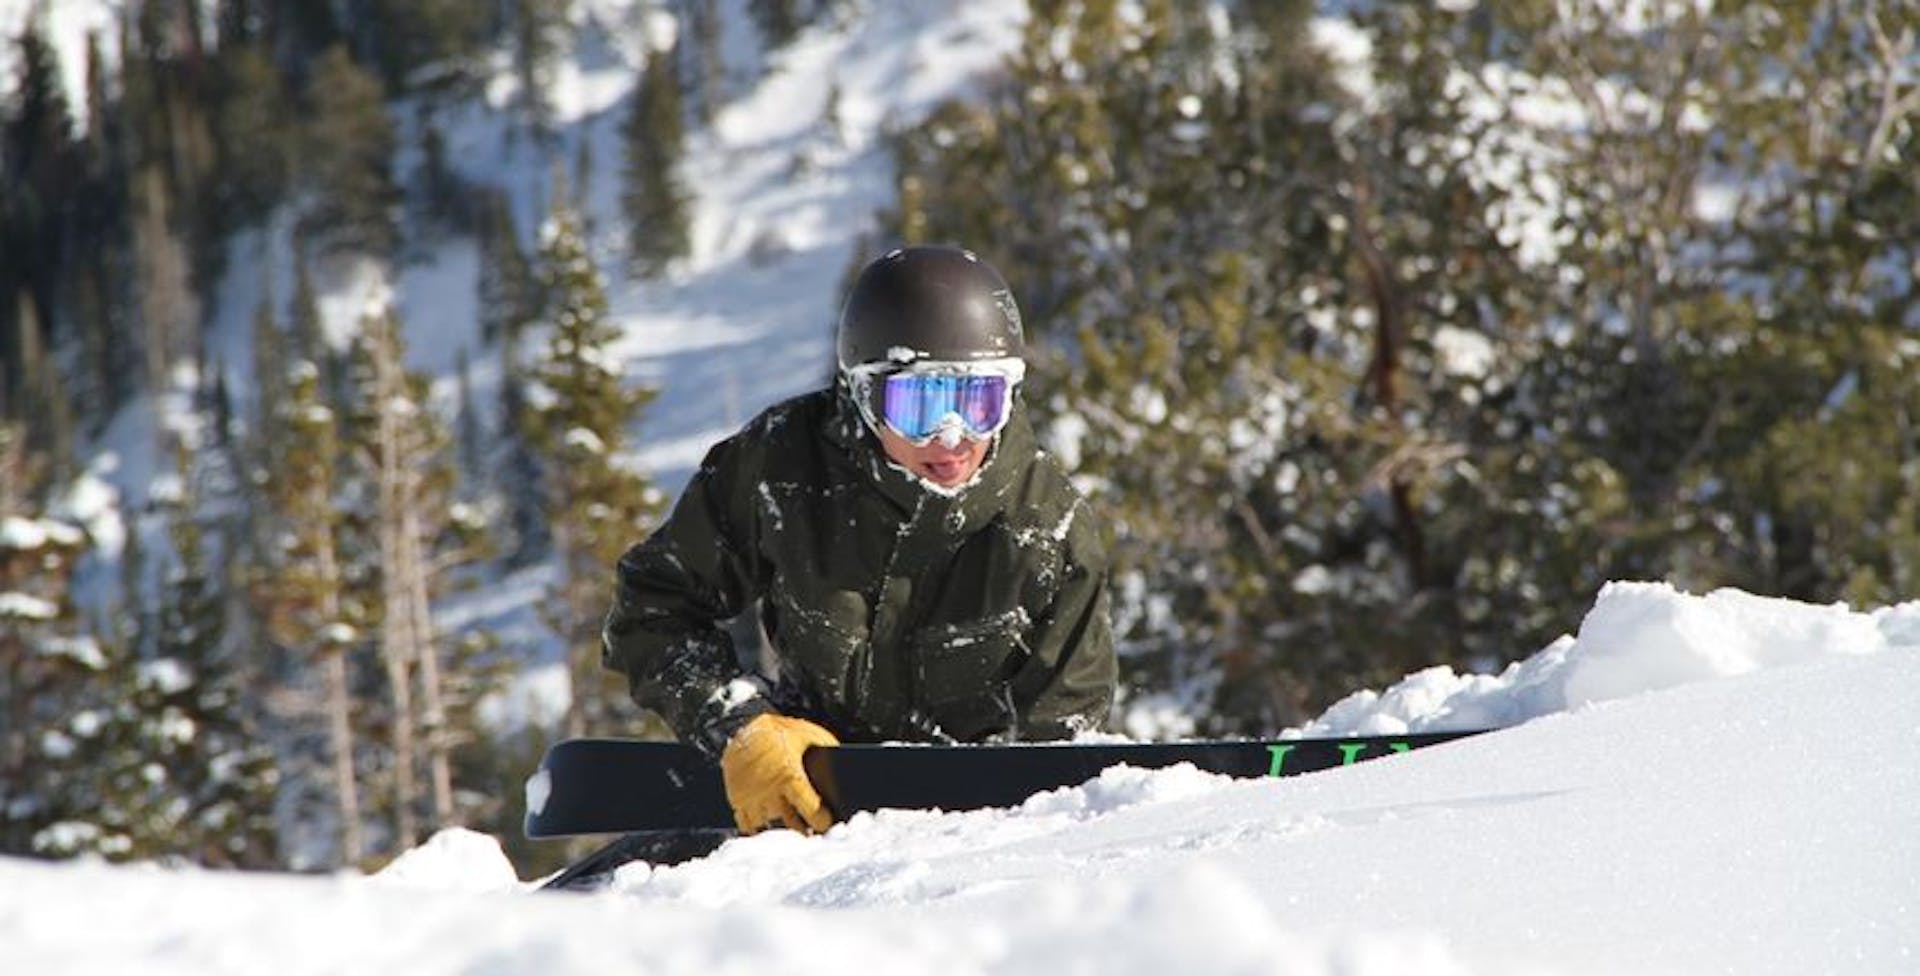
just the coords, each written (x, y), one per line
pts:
(944, 472)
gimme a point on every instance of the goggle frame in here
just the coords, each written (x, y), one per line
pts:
(868, 383)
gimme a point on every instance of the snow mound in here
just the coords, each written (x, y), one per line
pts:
(1646, 636)
(455, 859)
(862, 861)
(1637, 638)
(1121, 787)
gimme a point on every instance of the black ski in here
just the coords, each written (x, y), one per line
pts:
(601, 786)
(656, 847)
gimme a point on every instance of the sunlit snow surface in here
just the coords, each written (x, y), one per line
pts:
(1740, 798)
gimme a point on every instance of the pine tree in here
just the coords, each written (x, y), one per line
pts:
(442, 196)
(507, 290)
(41, 165)
(1206, 251)
(238, 22)
(303, 592)
(390, 417)
(1804, 377)
(598, 505)
(46, 664)
(185, 772)
(1703, 318)
(537, 29)
(424, 538)
(115, 295)
(519, 474)
(307, 330)
(347, 161)
(166, 65)
(779, 21)
(709, 69)
(470, 447)
(299, 33)
(105, 377)
(49, 423)
(509, 300)
(433, 46)
(169, 306)
(270, 356)
(1333, 319)
(654, 198)
(39, 155)
(255, 131)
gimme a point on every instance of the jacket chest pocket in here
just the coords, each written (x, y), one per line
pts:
(962, 673)
(820, 635)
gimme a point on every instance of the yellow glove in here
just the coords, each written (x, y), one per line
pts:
(766, 784)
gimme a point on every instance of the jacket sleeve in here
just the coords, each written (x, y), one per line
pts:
(1067, 684)
(673, 593)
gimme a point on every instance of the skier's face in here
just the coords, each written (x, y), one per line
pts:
(946, 466)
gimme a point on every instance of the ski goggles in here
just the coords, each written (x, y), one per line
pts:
(922, 401)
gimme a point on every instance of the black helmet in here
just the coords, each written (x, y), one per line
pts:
(929, 303)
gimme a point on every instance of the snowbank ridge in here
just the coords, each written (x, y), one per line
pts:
(1638, 637)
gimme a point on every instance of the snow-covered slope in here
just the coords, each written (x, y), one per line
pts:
(782, 199)
(66, 27)
(1748, 820)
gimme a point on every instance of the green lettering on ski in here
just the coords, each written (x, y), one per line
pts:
(1399, 747)
(1279, 754)
(1350, 752)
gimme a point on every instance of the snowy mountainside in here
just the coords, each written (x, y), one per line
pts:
(783, 197)
(1751, 816)
(68, 22)
(780, 203)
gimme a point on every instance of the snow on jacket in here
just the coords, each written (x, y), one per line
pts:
(897, 612)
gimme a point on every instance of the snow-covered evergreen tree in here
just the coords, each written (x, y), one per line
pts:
(509, 300)
(421, 539)
(49, 666)
(181, 770)
(655, 197)
(351, 197)
(303, 596)
(580, 413)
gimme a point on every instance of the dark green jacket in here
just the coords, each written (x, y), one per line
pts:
(898, 612)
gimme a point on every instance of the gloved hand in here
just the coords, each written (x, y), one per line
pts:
(766, 784)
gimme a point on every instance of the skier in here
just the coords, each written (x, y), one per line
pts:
(925, 572)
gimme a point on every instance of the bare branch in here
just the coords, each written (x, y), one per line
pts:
(1894, 105)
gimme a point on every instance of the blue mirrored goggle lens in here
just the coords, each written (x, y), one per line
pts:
(916, 404)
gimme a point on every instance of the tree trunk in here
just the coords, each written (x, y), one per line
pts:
(169, 311)
(433, 714)
(396, 621)
(339, 710)
(399, 680)
(1384, 374)
(397, 651)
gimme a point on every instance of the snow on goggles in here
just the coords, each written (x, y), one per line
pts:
(921, 402)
